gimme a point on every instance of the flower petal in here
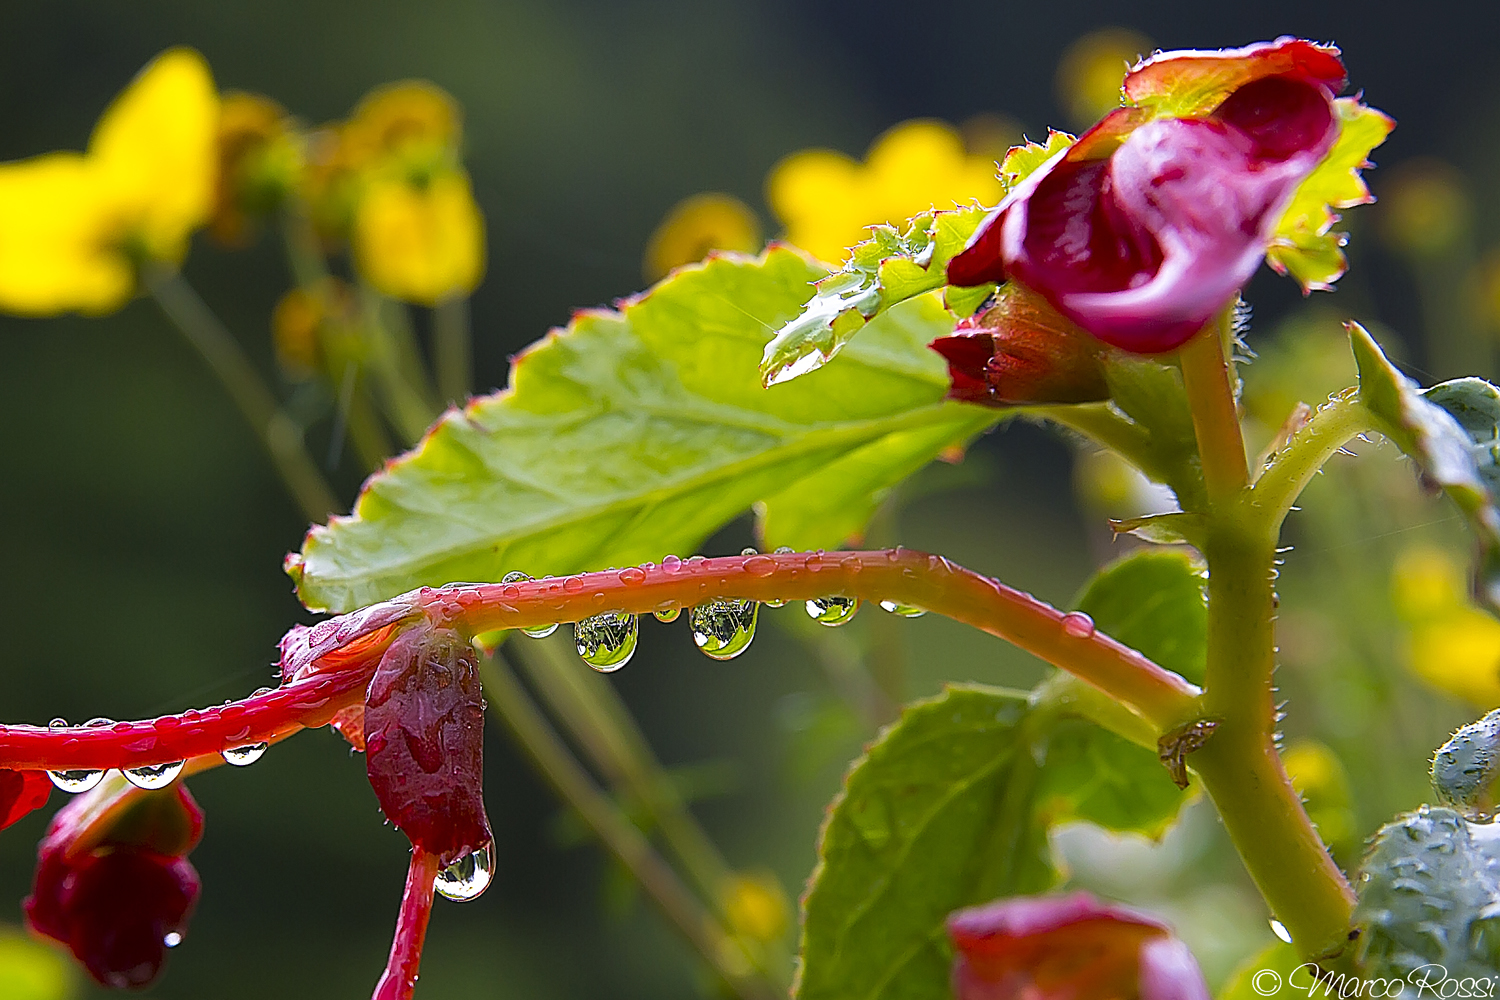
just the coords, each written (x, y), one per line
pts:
(1194, 82)
(22, 792)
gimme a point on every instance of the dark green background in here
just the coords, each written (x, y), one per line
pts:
(143, 529)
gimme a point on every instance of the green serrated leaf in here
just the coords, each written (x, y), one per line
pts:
(1429, 895)
(635, 433)
(1451, 432)
(1154, 601)
(1303, 244)
(892, 266)
(1022, 161)
(950, 807)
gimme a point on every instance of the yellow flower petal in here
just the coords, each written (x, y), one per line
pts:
(398, 118)
(697, 225)
(58, 231)
(155, 152)
(420, 243)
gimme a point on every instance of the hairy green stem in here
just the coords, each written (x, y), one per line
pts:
(280, 435)
(1292, 466)
(1206, 378)
(629, 846)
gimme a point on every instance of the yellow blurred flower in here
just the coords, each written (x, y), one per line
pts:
(697, 225)
(756, 907)
(1092, 71)
(1424, 207)
(73, 226)
(827, 200)
(419, 242)
(1450, 643)
(260, 162)
(1319, 777)
(410, 119)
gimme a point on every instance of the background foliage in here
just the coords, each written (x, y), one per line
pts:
(144, 525)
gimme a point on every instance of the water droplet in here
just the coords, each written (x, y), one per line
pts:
(153, 776)
(759, 565)
(633, 576)
(75, 781)
(607, 642)
(171, 939)
(58, 723)
(667, 612)
(784, 550)
(98, 721)
(516, 576)
(749, 550)
(775, 603)
(467, 877)
(832, 610)
(541, 631)
(1279, 929)
(1078, 625)
(573, 584)
(723, 629)
(245, 755)
(904, 610)
(671, 563)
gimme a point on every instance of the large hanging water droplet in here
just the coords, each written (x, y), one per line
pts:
(245, 755)
(1279, 929)
(467, 877)
(832, 610)
(904, 610)
(668, 613)
(540, 631)
(171, 939)
(153, 776)
(723, 628)
(607, 642)
(77, 780)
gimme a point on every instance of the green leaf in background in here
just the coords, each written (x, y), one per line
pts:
(1429, 893)
(1453, 432)
(640, 432)
(30, 970)
(893, 265)
(1153, 600)
(1271, 972)
(950, 807)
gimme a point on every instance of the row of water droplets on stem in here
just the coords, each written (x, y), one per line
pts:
(147, 776)
(723, 628)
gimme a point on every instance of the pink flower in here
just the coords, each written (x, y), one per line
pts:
(1149, 224)
(118, 893)
(1068, 948)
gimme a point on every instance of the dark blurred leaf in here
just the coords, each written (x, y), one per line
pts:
(1451, 431)
(948, 808)
(1428, 893)
(1154, 601)
(636, 433)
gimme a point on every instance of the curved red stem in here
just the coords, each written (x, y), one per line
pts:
(400, 976)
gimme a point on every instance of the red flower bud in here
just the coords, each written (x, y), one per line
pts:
(1021, 350)
(1068, 948)
(424, 742)
(119, 898)
(1154, 219)
(22, 792)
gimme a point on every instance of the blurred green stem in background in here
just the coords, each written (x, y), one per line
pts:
(451, 351)
(280, 435)
(557, 765)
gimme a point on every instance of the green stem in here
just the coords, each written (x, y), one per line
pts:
(397, 366)
(279, 434)
(573, 785)
(452, 350)
(1216, 422)
(1107, 426)
(1291, 467)
(601, 725)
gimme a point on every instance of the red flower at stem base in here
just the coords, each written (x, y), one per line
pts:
(1148, 225)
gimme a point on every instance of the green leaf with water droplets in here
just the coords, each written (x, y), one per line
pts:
(950, 807)
(1452, 431)
(638, 432)
(892, 266)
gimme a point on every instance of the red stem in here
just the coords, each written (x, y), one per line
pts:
(400, 976)
(328, 667)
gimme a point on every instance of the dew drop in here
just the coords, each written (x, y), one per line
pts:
(832, 610)
(1279, 929)
(514, 577)
(667, 612)
(171, 939)
(633, 576)
(77, 780)
(671, 563)
(58, 723)
(540, 631)
(723, 629)
(904, 610)
(153, 776)
(245, 755)
(1078, 625)
(749, 550)
(97, 722)
(775, 603)
(467, 877)
(607, 642)
(759, 565)
(784, 550)
(573, 584)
